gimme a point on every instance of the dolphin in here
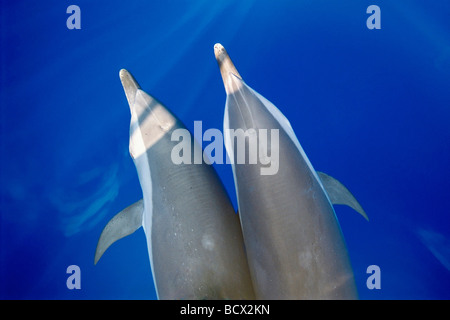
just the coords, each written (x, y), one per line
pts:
(294, 244)
(194, 239)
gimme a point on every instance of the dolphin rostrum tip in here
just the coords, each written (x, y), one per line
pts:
(226, 67)
(130, 85)
(128, 81)
(123, 73)
(219, 51)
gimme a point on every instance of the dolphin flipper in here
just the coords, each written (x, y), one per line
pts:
(339, 194)
(121, 225)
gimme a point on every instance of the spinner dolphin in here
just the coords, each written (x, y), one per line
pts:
(295, 247)
(193, 235)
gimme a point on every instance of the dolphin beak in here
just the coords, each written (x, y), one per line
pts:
(130, 86)
(227, 70)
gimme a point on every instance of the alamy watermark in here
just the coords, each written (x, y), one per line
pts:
(74, 20)
(249, 146)
(74, 280)
(374, 20)
(374, 280)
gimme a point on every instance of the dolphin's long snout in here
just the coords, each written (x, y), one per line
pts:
(130, 86)
(227, 68)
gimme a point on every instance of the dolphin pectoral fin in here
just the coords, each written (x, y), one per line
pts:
(121, 225)
(339, 194)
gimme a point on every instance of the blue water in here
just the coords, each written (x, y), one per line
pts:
(370, 107)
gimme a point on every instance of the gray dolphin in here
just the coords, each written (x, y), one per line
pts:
(194, 239)
(294, 243)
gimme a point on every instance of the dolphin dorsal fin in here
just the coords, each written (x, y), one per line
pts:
(339, 194)
(121, 225)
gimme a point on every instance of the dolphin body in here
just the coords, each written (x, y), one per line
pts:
(194, 239)
(295, 248)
